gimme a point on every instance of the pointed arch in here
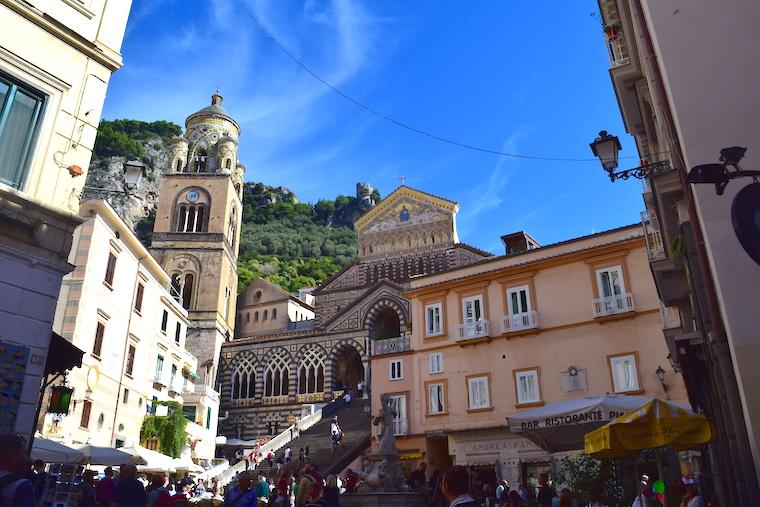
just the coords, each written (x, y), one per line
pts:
(277, 373)
(243, 379)
(311, 369)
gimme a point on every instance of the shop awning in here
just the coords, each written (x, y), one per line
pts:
(151, 461)
(96, 455)
(561, 426)
(411, 455)
(190, 375)
(62, 355)
(51, 451)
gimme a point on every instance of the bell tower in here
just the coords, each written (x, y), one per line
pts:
(197, 229)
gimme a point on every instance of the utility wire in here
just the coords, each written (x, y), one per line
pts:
(394, 121)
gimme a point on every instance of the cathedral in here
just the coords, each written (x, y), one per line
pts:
(289, 354)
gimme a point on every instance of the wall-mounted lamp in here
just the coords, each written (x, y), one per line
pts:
(134, 172)
(661, 376)
(606, 148)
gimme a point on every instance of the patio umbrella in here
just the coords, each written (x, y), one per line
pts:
(658, 423)
(96, 455)
(152, 461)
(50, 451)
(561, 426)
(187, 465)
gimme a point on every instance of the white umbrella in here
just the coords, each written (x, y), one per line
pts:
(50, 451)
(96, 455)
(186, 464)
(561, 426)
(153, 461)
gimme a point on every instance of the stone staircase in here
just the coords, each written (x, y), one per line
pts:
(356, 426)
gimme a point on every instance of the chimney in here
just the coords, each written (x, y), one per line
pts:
(517, 242)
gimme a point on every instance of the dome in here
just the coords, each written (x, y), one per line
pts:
(215, 110)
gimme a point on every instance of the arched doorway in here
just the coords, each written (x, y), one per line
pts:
(386, 324)
(348, 369)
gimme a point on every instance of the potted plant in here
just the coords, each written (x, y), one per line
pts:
(612, 30)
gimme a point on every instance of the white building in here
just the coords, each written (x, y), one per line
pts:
(56, 58)
(117, 308)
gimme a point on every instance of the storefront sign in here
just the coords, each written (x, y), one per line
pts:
(569, 419)
(13, 360)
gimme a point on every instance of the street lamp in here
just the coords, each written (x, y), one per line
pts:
(606, 148)
(133, 174)
(661, 376)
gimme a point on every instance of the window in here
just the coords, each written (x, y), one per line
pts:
(200, 161)
(177, 333)
(125, 396)
(247, 317)
(243, 379)
(153, 406)
(625, 376)
(436, 398)
(159, 367)
(396, 370)
(311, 372)
(276, 376)
(99, 332)
(612, 295)
(274, 313)
(208, 418)
(139, 297)
(164, 321)
(130, 360)
(398, 403)
(187, 291)
(84, 422)
(436, 362)
(188, 411)
(472, 314)
(433, 320)
(256, 316)
(477, 391)
(526, 382)
(110, 269)
(191, 218)
(265, 315)
(173, 377)
(520, 315)
(20, 114)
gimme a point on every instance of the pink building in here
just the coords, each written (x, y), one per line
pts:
(538, 325)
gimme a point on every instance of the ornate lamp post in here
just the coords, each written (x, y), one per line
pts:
(606, 148)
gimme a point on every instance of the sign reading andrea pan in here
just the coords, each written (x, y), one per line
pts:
(561, 426)
(13, 360)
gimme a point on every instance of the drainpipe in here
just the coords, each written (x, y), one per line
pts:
(746, 485)
(126, 345)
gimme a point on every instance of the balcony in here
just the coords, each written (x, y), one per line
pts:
(617, 50)
(400, 427)
(620, 303)
(158, 383)
(474, 330)
(391, 346)
(652, 236)
(519, 322)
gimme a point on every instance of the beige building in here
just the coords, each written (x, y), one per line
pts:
(56, 58)
(536, 326)
(135, 354)
(684, 76)
(263, 307)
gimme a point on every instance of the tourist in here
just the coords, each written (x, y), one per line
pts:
(241, 495)
(106, 488)
(200, 488)
(215, 488)
(336, 434)
(288, 456)
(360, 389)
(347, 398)
(283, 484)
(16, 490)
(489, 497)
(262, 490)
(502, 489)
(129, 491)
(300, 457)
(158, 492)
(545, 491)
(186, 480)
(332, 491)
(515, 499)
(270, 458)
(691, 498)
(38, 477)
(306, 451)
(418, 478)
(455, 486)
(87, 489)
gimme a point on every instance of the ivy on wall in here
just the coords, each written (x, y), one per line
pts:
(170, 430)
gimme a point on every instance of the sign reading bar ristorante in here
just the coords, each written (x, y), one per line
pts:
(561, 420)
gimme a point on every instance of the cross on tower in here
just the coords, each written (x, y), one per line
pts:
(402, 179)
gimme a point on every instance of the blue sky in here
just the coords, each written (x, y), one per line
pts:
(525, 77)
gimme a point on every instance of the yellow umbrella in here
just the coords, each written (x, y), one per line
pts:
(656, 424)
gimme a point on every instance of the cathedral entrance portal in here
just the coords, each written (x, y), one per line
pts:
(386, 324)
(348, 369)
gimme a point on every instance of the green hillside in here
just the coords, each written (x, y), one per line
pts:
(290, 243)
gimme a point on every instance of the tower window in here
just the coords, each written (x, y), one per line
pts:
(201, 160)
(191, 218)
(187, 291)
(228, 163)
(255, 316)
(179, 165)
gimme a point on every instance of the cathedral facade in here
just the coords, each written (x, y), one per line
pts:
(268, 377)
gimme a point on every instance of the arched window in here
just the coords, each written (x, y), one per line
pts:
(265, 315)
(276, 376)
(179, 165)
(256, 316)
(247, 317)
(176, 289)
(231, 228)
(274, 313)
(201, 161)
(311, 372)
(191, 218)
(187, 291)
(228, 163)
(243, 380)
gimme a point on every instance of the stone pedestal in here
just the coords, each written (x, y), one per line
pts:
(401, 499)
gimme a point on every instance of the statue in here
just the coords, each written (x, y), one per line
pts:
(384, 421)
